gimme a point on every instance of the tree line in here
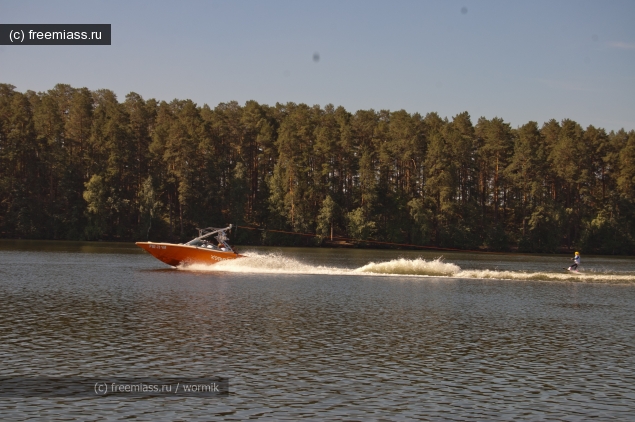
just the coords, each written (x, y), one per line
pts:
(79, 164)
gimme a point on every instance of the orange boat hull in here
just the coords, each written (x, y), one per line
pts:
(175, 255)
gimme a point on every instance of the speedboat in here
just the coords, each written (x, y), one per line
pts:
(196, 251)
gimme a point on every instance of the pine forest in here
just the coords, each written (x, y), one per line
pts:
(77, 164)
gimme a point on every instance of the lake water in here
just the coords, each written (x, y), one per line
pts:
(325, 334)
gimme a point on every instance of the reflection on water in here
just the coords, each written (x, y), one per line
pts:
(332, 345)
(67, 246)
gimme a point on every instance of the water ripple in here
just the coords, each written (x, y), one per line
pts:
(315, 346)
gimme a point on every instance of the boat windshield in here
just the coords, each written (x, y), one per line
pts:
(221, 239)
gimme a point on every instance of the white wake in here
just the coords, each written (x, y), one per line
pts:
(275, 263)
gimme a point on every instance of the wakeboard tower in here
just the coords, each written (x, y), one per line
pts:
(196, 251)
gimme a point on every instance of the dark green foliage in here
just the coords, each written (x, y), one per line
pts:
(79, 164)
(327, 219)
(605, 235)
(497, 239)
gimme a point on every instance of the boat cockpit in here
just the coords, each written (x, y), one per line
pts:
(221, 239)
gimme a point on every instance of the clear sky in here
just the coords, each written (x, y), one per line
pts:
(518, 60)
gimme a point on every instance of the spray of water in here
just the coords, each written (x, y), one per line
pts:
(274, 263)
(411, 267)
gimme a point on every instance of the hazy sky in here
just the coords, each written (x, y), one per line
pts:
(518, 60)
